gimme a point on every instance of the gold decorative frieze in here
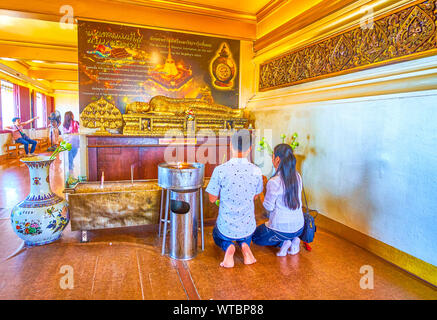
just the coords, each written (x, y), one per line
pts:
(405, 34)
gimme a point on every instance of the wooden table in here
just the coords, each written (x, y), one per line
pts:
(42, 143)
(13, 149)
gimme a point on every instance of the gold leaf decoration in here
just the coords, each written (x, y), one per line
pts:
(101, 114)
(407, 33)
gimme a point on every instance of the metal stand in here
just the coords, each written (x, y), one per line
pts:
(166, 219)
(201, 217)
(160, 210)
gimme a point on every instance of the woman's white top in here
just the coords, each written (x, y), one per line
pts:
(282, 218)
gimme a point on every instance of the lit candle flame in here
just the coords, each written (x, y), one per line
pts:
(182, 165)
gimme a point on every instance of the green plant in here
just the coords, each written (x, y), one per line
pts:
(71, 181)
(63, 146)
(263, 144)
(292, 141)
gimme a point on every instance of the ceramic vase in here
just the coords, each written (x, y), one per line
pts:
(43, 215)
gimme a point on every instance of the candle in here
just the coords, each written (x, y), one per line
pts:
(224, 158)
(132, 174)
(103, 179)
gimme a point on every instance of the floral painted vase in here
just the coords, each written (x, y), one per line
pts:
(42, 216)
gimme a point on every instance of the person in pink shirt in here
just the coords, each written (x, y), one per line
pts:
(70, 134)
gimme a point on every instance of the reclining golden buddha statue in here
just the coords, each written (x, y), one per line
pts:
(162, 113)
(161, 105)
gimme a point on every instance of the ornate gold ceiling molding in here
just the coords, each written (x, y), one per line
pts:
(66, 91)
(163, 28)
(24, 64)
(407, 33)
(40, 45)
(24, 78)
(192, 7)
(183, 6)
(269, 8)
(316, 13)
(418, 78)
(171, 15)
(56, 67)
(30, 15)
(338, 22)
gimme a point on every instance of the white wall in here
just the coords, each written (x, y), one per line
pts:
(369, 142)
(67, 102)
(4, 139)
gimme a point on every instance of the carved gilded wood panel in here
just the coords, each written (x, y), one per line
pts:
(405, 34)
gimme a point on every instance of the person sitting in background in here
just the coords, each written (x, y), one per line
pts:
(283, 201)
(237, 183)
(70, 131)
(19, 136)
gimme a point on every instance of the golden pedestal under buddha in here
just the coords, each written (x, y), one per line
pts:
(183, 115)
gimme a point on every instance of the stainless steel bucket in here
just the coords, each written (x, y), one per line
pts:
(184, 181)
(179, 177)
(184, 208)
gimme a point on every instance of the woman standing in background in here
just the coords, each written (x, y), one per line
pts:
(70, 135)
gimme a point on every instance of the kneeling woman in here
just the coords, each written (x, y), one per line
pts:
(284, 203)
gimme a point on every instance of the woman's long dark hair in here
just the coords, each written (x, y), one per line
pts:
(287, 169)
(68, 117)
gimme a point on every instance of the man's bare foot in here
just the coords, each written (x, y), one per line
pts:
(228, 261)
(247, 254)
